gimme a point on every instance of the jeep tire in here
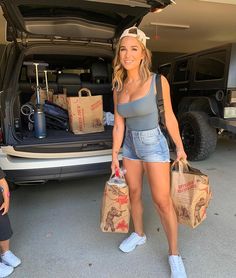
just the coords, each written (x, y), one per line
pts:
(199, 138)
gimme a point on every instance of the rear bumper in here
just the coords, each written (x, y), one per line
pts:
(25, 176)
(229, 125)
(20, 170)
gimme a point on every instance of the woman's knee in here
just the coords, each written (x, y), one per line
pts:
(135, 194)
(164, 205)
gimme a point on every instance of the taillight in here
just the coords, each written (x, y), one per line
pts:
(232, 97)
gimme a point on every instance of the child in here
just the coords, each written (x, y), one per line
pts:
(7, 259)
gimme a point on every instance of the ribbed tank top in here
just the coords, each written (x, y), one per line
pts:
(141, 114)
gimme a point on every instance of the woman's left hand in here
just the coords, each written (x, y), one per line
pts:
(181, 155)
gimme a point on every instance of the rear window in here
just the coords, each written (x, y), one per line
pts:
(165, 70)
(181, 72)
(210, 66)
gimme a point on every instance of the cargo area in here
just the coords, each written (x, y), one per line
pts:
(65, 76)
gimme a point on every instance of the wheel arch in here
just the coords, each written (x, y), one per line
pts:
(199, 137)
(202, 104)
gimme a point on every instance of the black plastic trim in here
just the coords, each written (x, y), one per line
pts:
(57, 173)
(229, 125)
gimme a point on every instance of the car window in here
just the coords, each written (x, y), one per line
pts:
(165, 70)
(210, 66)
(181, 71)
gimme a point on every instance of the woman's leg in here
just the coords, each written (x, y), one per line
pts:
(134, 179)
(158, 174)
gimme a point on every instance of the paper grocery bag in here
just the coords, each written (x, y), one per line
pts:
(61, 99)
(44, 95)
(191, 193)
(115, 210)
(85, 113)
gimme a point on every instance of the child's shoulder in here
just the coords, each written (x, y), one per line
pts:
(2, 174)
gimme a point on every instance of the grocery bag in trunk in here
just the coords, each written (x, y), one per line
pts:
(191, 193)
(44, 95)
(115, 210)
(85, 113)
(61, 99)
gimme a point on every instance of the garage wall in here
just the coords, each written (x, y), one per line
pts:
(159, 58)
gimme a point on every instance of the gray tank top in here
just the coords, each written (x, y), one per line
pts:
(141, 114)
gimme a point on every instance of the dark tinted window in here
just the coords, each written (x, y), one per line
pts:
(165, 70)
(181, 71)
(210, 66)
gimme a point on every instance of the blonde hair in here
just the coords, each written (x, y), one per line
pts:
(120, 73)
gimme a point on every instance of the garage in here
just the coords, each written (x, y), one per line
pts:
(56, 224)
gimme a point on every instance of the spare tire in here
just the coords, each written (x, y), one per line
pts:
(199, 138)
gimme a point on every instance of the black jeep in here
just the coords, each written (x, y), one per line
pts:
(203, 91)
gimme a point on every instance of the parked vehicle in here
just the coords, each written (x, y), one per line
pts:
(203, 91)
(76, 40)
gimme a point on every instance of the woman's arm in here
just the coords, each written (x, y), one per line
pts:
(171, 121)
(6, 196)
(118, 134)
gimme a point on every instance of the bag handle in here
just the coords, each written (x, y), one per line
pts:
(64, 90)
(86, 90)
(181, 165)
(119, 173)
(185, 167)
(161, 111)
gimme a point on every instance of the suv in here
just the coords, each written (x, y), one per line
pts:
(75, 39)
(203, 92)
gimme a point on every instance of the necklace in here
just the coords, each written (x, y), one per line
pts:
(130, 83)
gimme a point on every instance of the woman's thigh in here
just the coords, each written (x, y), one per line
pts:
(134, 174)
(158, 174)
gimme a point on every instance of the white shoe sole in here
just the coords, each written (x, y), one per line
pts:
(6, 275)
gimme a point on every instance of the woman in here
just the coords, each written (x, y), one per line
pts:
(7, 259)
(145, 147)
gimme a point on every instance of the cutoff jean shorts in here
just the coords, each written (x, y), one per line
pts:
(146, 145)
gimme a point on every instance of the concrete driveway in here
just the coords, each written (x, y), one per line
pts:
(57, 235)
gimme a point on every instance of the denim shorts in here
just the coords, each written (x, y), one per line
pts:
(146, 145)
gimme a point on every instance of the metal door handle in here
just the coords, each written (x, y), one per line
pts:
(183, 89)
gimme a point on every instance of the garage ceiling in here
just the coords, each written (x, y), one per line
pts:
(188, 26)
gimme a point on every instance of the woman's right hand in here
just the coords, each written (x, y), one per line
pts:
(4, 207)
(115, 165)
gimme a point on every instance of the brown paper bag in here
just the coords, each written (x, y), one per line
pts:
(43, 96)
(115, 210)
(191, 193)
(61, 99)
(85, 113)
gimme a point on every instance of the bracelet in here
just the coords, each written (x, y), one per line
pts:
(2, 190)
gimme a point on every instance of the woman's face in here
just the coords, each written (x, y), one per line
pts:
(131, 53)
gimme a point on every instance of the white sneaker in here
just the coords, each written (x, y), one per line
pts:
(5, 270)
(130, 243)
(10, 259)
(177, 267)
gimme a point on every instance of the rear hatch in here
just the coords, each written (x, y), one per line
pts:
(70, 21)
(101, 20)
